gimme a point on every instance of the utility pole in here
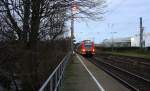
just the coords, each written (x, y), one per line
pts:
(110, 26)
(72, 32)
(112, 46)
(73, 11)
(141, 33)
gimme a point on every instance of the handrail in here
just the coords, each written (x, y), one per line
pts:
(54, 81)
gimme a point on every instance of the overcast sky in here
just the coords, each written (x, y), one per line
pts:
(122, 17)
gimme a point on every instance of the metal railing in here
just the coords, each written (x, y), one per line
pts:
(54, 81)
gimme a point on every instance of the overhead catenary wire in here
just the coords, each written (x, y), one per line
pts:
(116, 7)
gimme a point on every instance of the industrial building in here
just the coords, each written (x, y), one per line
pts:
(133, 41)
(117, 42)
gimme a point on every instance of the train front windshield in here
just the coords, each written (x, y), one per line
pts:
(88, 46)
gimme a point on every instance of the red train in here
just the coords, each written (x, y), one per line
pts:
(86, 48)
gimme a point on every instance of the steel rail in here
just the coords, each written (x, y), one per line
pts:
(133, 60)
(126, 71)
(130, 62)
(117, 77)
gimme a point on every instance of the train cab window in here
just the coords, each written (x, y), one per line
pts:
(88, 46)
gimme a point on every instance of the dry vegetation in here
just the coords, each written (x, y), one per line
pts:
(18, 63)
(32, 32)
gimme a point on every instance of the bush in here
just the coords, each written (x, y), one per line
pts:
(29, 67)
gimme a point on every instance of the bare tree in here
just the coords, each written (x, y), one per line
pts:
(46, 17)
(34, 20)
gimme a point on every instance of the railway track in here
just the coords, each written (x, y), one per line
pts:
(128, 58)
(139, 61)
(139, 67)
(135, 82)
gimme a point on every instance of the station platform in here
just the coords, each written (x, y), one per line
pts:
(82, 75)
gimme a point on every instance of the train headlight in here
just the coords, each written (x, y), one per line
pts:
(83, 50)
(93, 50)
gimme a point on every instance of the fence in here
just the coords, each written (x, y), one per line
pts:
(54, 81)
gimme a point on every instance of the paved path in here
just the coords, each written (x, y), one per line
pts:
(89, 78)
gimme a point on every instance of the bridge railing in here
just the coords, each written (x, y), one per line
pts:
(54, 81)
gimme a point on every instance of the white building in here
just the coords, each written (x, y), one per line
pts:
(118, 42)
(135, 40)
(128, 41)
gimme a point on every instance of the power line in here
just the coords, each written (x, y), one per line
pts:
(117, 6)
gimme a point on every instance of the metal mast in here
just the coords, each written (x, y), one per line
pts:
(141, 33)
